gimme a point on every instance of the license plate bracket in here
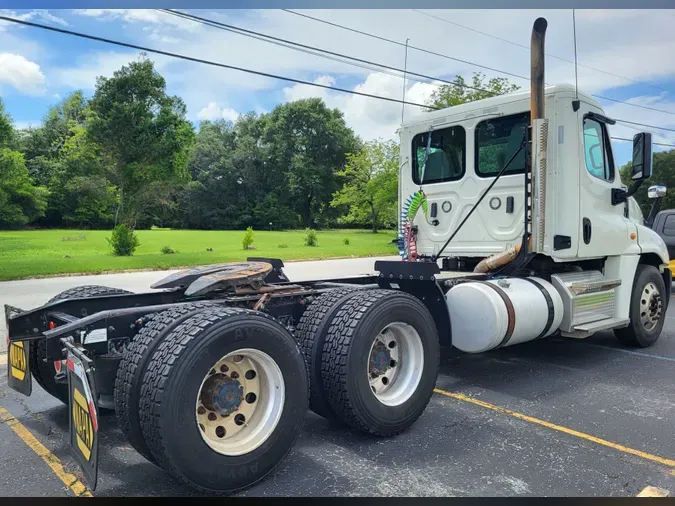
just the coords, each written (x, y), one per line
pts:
(83, 412)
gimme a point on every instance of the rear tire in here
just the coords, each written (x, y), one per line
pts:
(44, 371)
(173, 399)
(647, 309)
(132, 368)
(310, 334)
(358, 356)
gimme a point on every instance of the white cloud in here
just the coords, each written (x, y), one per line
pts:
(93, 65)
(42, 15)
(140, 16)
(22, 74)
(213, 112)
(167, 39)
(370, 118)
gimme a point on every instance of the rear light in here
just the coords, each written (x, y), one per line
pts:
(51, 325)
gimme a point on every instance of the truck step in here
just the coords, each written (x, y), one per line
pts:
(588, 298)
(586, 329)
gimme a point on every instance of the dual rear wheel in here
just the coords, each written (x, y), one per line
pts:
(213, 395)
(372, 356)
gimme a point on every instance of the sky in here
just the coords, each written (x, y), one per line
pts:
(623, 55)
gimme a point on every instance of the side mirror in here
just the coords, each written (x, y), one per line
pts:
(656, 192)
(642, 157)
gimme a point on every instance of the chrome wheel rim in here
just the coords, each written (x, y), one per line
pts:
(239, 402)
(651, 306)
(395, 364)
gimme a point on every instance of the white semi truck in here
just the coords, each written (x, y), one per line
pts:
(514, 227)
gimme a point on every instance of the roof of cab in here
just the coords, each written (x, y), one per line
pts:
(487, 103)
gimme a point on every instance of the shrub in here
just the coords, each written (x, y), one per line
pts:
(345, 241)
(167, 251)
(310, 238)
(283, 245)
(123, 241)
(248, 238)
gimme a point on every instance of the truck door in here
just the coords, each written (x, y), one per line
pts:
(461, 164)
(603, 228)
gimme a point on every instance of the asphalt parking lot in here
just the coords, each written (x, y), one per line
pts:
(551, 418)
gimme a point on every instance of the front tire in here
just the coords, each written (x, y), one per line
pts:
(380, 361)
(647, 309)
(199, 419)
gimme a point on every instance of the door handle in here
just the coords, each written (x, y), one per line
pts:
(587, 230)
(509, 205)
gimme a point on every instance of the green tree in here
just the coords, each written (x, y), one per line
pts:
(20, 200)
(308, 142)
(60, 156)
(6, 127)
(663, 172)
(371, 184)
(143, 136)
(449, 95)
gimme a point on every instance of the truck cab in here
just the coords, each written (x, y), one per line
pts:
(470, 143)
(525, 187)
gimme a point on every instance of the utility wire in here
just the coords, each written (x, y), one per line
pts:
(248, 71)
(316, 50)
(208, 62)
(268, 39)
(643, 125)
(445, 20)
(635, 105)
(655, 143)
(391, 41)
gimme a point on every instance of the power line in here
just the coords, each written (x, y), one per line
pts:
(262, 37)
(391, 41)
(240, 69)
(655, 143)
(208, 62)
(342, 57)
(634, 105)
(643, 125)
(314, 50)
(445, 20)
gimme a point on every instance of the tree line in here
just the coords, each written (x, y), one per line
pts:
(128, 155)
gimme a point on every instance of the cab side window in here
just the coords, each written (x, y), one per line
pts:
(497, 141)
(597, 150)
(445, 159)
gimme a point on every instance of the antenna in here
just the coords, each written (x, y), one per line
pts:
(576, 74)
(405, 68)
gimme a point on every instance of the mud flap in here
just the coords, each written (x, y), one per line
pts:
(83, 413)
(18, 367)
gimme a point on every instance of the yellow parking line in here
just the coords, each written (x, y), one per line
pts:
(560, 428)
(654, 492)
(70, 481)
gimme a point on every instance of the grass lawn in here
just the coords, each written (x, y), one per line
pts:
(32, 253)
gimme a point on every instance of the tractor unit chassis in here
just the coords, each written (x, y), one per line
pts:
(210, 374)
